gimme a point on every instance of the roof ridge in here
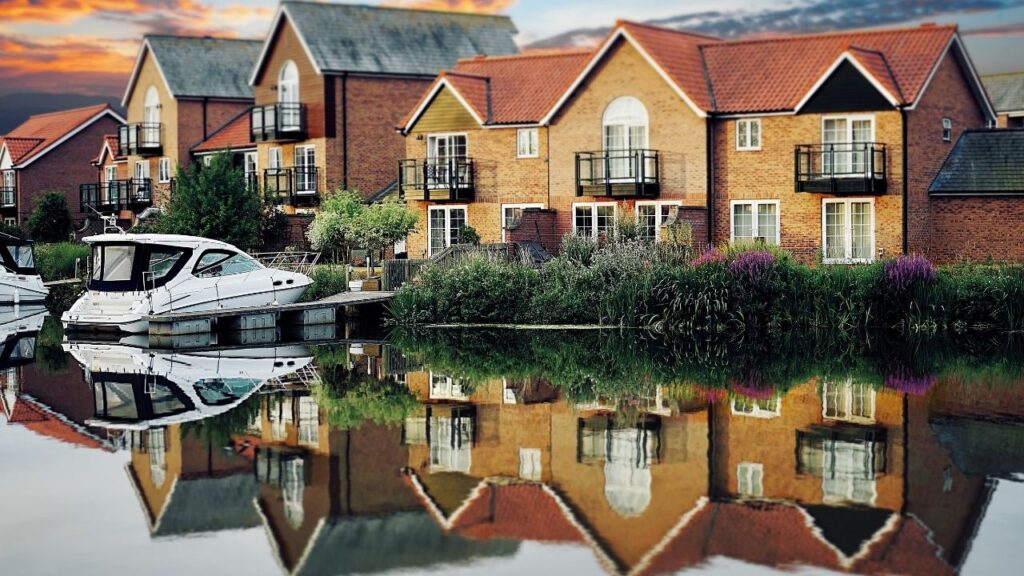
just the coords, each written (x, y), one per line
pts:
(394, 8)
(464, 75)
(201, 37)
(537, 53)
(831, 33)
(888, 68)
(70, 110)
(619, 23)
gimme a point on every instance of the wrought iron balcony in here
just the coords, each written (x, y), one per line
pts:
(277, 122)
(116, 195)
(292, 186)
(141, 138)
(851, 168)
(437, 181)
(8, 197)
(618, 173)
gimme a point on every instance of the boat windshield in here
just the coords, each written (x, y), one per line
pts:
(18, 257)
(129, 267)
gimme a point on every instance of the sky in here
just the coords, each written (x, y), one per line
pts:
(87, 47)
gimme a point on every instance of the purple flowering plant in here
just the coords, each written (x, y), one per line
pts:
(751, 266)
(907, 271)
(709, 256)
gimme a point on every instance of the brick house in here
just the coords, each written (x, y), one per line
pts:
(109, 190)
(333, 80)
(823, 144)
(181, 90)
(1007, 94)
(51, 152)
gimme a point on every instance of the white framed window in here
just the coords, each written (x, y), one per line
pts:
(624, 126)
(510, 213)
(529, 464)
(848, 402)
(109, 173)
(527, 144)
(444, 224)
(10, 221)
(848, 230)
(251, 167)
(163, 170)
(305, 169)
(947, 129)
(748, 134)
(845, 139)
(756, 407)
(594, 219)
(309, 421)
(274, 158)
(446, 388)
(750, 479)
(651, 216)
(446, 155)
(288, 97)
(207, 160)
(151, 118)
(451, 443)
(848, 472)
(754, 220)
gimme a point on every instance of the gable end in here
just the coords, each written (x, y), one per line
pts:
(846, 90)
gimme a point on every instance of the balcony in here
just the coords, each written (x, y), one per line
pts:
(277, 122)
(116, 195)
(292, 186)
(436, 181)
(855, 168)
(618, 173)
(142, 139)
(8, 197)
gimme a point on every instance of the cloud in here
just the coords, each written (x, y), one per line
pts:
(148, 16)
(1015, 29)
(93, 65)
(475, 6)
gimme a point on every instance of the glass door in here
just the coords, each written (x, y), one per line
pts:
(305, 170)
(444, 153)
(445, 224)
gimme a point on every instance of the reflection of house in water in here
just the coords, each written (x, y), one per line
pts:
(188, 484)
(333, 501)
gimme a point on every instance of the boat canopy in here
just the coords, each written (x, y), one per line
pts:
(17, 255)
(130, 267)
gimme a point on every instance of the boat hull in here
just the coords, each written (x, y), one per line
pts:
(22, 289)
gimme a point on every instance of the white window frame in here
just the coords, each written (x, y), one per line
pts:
(533, 142)
(755, 204)
(531, 467)
(447, 226)
(522, 205)
(748, 122)
(274, 158)
(845, 390)
(434, 137)
(593, 213)
(163, 170)
(255, 164)
(109, 173)
(207, 160)
(947, 129)
(848, 236)
(300, 151)
(850, 119)
(745, 474)
(10, 220)
(657, 213)
(758, 412)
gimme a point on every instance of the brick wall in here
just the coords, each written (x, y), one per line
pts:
(768, 174)
(294, 234)
(538, 226)
(946, 229)
(63, 169)
(191, 129)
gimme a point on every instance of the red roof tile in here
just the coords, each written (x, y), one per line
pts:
(516, 512)
(679, 55)
(774, 74)
(40, 131)
(42, 422)
(232, 136)
(110, 141)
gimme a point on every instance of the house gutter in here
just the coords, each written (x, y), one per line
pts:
(709, 153)
(906, 179)
(344, 131)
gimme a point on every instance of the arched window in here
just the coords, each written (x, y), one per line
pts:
(627, 473)
(288, 95)
(624, 127)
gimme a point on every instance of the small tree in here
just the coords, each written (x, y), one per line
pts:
(331, 230)
(51, 220)
(215, 202)
(381, 225)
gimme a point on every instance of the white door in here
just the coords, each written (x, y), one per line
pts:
(445, 224)
(443, 152)
(305, 170)
(141, 186)
(251, 169)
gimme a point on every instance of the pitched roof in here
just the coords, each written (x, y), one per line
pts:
(983, 162)
(1006, 91)
(774, 74)
(111, 146)
(35, 136)
(200, 67)
(371, 39)
(231, 136)
(678, 53)
(516, 512)
(42, 420)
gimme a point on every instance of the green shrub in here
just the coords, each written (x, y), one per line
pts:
(57, 261)
(327, 281)
(50, 220)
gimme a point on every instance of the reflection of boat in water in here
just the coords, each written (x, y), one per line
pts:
(136, 388)
(138, 275)
(19, 281)
(19, 327)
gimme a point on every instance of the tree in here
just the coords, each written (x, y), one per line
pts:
(215, 202)
(346, 221)
(381, 225)
(51, 220)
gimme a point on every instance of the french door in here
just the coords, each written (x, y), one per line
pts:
(445, 224)
(845, 142)
(443, 153)
(305, 170)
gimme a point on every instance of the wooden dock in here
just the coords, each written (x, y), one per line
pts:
(286, 316)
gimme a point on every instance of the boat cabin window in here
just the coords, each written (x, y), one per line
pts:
(223, 391)
(131, 267)
(17, 257)
(216, 263)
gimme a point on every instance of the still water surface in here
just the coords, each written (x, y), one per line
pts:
(506, 453)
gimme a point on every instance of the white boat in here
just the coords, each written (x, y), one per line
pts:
(135, 276)
(137, 388)
(19, 281)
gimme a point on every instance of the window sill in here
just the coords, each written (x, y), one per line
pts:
(847, 260)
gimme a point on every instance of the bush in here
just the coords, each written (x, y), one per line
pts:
(327, 281)
(57, 261)
(50, 220)
(11, 230)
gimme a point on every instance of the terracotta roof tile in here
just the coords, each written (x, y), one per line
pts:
(874, 62)
(232, 136)
(40, 131)
(35, 418)
(516, 512)
(109, 141)
(679, 55)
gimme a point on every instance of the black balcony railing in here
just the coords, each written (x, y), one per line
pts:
(618, 173)
(292, 186)
(432, 180)
(116, 195)
(277, 122)
(852, 168)
(8, 197)
(143, 139)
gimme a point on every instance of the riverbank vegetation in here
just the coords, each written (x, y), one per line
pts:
(739, 290)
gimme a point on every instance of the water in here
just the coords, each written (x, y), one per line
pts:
(507, 453)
